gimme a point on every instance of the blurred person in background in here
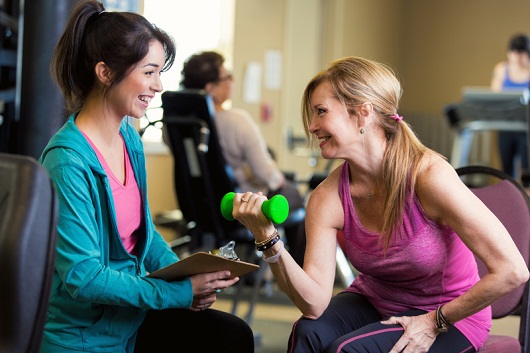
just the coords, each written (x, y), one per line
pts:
(242, 142)
(513, 74)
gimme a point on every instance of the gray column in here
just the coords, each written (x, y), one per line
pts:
(39, 103)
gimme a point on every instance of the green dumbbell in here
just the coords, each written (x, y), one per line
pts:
(276, 209)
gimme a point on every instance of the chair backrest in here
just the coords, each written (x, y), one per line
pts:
(202, 176)
(505, 197)
(28, 213)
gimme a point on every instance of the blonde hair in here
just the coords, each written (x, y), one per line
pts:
(355, 81)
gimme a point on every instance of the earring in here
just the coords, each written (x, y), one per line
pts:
(361, 131)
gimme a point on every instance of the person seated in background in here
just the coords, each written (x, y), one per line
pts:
(513, 74)
(108, 67)
(412, 229)
(242, 143)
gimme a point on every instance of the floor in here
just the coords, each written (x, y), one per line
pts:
(274, 316)
(272, 321)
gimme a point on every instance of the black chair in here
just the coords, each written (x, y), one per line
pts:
(201, 175)
(28, 213)
(505, 197)
(202, 178)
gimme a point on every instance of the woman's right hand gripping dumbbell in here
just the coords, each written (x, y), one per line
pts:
(247, 209)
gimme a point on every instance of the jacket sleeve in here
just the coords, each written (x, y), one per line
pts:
(160, 254)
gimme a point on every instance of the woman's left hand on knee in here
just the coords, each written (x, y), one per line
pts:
(418, 335)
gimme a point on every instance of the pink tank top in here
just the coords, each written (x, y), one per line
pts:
(127, 200)
(425, 265)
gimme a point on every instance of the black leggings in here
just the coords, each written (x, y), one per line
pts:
(176, 330)
(512, 144)
(351, 324)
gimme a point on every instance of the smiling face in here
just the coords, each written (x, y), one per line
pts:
(336, 129)
(132, 96)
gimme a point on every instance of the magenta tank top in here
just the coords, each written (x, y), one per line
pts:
(426, 265)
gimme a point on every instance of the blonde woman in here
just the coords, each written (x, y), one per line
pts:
(411, 227)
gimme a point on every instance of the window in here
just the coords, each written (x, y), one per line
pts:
(194, 25)
(121, 5)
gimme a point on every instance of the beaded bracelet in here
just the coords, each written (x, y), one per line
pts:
(274, 258)
(269, 238)
(269, 244)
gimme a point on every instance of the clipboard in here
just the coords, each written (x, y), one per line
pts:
(203, 262)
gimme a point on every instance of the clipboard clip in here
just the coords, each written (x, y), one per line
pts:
(227, 251)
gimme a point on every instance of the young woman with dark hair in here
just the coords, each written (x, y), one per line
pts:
(108, 66)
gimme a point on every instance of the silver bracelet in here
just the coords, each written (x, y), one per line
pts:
(274, 258)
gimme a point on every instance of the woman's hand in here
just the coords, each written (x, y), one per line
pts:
(247, 210)
(206, 286)
(419, 335)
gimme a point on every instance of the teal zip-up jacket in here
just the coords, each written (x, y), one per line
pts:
(100, 294)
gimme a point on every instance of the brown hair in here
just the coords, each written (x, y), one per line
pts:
(355, 81)
(119, 39)
(201, 69)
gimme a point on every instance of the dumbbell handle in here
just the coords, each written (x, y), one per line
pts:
(276, 209)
